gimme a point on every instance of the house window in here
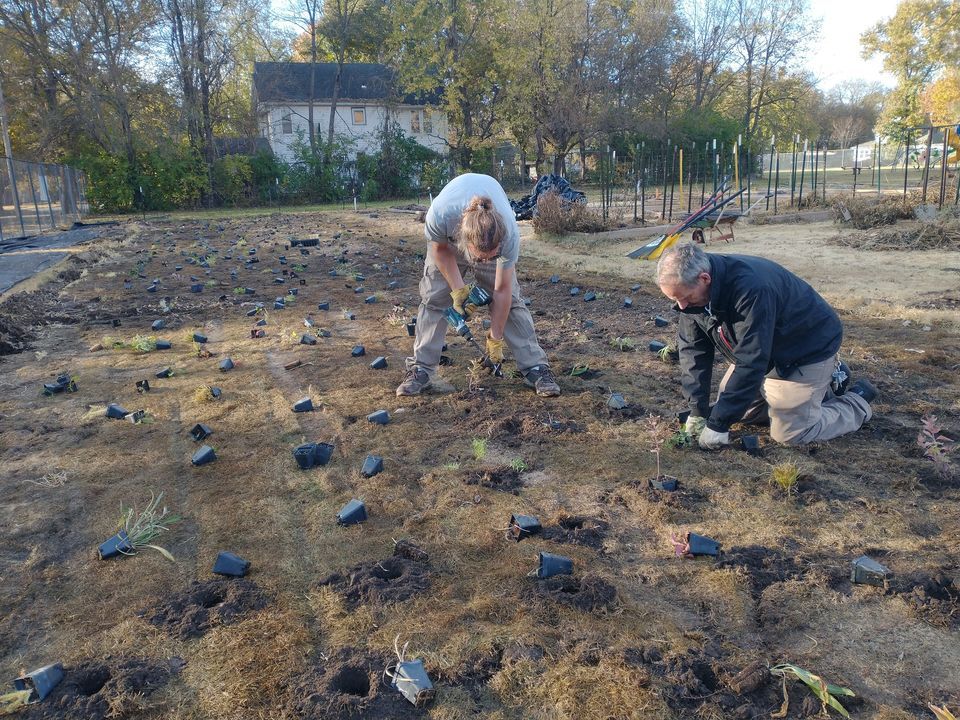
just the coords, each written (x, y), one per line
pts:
(359, 116)
(286, 124)
(427, 122)
(415, 121)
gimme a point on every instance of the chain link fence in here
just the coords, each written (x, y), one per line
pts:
(38, 196)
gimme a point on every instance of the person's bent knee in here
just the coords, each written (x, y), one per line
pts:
(791, 436)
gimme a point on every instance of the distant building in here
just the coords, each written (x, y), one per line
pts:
(367, 98)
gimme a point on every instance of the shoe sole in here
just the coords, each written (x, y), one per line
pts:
(413, 394)
(551, 393)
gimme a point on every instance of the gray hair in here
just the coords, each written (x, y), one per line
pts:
(682, 264)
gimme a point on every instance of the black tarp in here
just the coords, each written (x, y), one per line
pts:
(526, 207)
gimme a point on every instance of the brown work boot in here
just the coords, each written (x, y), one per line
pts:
(414, 382)
(541, 379)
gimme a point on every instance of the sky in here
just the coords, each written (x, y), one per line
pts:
(835, 57)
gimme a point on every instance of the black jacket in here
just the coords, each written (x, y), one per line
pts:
(761, 316)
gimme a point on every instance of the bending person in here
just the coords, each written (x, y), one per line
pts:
(470, 224)
(781, 340)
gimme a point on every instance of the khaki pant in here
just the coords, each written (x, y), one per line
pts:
(432, 326)
(804, 409)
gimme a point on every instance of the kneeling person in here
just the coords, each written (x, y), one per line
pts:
(471, 224)
(780, 337)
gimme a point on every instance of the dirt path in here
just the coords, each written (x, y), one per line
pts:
(840, 273)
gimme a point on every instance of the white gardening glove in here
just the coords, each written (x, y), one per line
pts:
(712, 440)
(694, 425)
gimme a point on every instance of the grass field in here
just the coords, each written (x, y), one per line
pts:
(634, 632)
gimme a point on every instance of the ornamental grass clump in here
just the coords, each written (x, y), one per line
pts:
(146, 525)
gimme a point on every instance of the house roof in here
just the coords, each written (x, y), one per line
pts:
(285, 82)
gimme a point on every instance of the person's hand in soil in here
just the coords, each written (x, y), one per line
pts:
(495, 349)
(713, 440)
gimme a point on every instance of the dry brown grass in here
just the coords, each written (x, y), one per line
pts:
(557, 217)
(868, 212)
(939, 234)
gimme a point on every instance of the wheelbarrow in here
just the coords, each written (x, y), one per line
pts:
(719, 226)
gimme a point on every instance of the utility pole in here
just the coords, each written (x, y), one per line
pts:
(9, 153)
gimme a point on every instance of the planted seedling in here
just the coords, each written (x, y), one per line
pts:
(140, 528)
(519, 465)
(15, 701)
(624, 344)
(936, 446)
(668, 354)
(784, 476)
(825, 692)
(579, 369)
(660, 433)
(479, 448)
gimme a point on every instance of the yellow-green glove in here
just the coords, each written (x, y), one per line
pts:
(460, 304)
(495, 349)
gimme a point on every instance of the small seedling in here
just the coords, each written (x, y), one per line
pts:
(659, 431)
(578, 370)
(680, 439)
(623, 344)
(144, 343)
(785, 475)
(203, 393)
(15, 701)
(146, 525)
(668, 354)
(519, 465)
(824, 691)
(936, 447)
(941, 712)
(479, 448)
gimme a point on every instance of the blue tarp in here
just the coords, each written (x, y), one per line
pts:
(526, 207)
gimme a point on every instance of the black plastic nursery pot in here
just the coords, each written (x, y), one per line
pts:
(279, 304)
(523, 526)
(308, 339)
(554, 279)
(372, 465)
(393, 285)
(164, 345)
(867, 571)
(303, 405)
(165, 373)
(616, 401)
(311, 455)
(115, 412)
(412, 328)
(199, 338)
(196, 288)
(257, 333)
(231, 565)
(353, 513)
(253, 312)
(574, 291)
(260, 323)
(203, 456)
(40, 682)
(216, 392)
(411, 680)
(660, 321)
(551, 565)
(323, 306)
(157, 325)
(226, 364)
(664, 482)
(143, 386)
(370, 300)
(115, 545)
(627, 302)
(380, 417)
(656, 346)
(324, 333)
(590, 296)
(200, 432)
(358, 351)
(136, 416)
(379, 363)
(751, 443)
(702, 545)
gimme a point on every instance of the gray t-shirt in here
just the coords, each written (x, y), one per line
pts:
(446, 211)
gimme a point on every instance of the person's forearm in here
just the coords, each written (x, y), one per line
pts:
(446, 259)
(499, 311)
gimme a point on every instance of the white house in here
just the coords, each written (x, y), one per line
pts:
(367, 99)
